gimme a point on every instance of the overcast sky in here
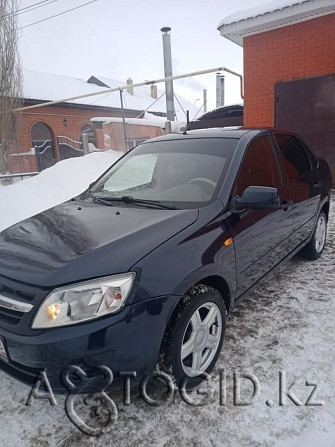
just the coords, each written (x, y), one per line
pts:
(120, 39)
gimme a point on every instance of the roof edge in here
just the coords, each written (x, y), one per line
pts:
(288, 15)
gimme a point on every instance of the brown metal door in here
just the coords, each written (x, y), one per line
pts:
(307, 107)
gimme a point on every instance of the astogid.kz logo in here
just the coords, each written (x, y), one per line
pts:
(91, 390)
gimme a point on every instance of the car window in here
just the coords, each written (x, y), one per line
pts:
(136, 172)
(185, 172)
(312, 158)
(295, 158)
(259, 166)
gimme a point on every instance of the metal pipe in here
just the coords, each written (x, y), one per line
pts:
(22, 175)
(218, 90)
(168, 73)
(139, 84)
(124, 123)
(222, 89)
(204, 92)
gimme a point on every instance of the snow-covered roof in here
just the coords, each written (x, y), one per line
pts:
(50, 87)
(147, 120)
(272, 15)
(134, 121)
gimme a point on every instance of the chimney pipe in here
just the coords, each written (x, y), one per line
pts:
(204, 92)
(153, 91)
(222, 81)
(130, 88)
(168, 72)
(218, 90)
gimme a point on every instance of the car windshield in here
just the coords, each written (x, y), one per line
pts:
(182, 173)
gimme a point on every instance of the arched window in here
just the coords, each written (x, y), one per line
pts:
(40, 133)
(90, 133)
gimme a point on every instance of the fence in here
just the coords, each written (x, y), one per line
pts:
(7, 179)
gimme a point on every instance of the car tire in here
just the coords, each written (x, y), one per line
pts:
(194, 336)
(314, 248)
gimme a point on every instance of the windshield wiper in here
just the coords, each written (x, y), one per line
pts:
(129, 199)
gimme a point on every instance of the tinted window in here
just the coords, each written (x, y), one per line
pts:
(311, 156)
(295, 158)
(259, 166)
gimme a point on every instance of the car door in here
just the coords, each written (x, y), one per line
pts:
(304, 183)
(261, 237)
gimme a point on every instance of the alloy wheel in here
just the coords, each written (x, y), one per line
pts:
(201, 339)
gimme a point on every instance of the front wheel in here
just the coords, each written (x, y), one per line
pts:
(194, 337)
(316, 245)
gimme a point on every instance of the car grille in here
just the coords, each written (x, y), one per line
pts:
(10, 317)
(8, 289)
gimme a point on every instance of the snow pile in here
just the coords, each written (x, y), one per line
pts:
(52, 186)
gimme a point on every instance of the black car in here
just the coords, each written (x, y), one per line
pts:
(143, 267)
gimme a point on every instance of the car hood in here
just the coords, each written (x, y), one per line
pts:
(75, 241)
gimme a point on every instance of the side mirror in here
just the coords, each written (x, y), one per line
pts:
(257, 198)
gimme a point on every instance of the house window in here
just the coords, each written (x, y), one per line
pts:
(40, 133)
(90, 133)
(132, 143)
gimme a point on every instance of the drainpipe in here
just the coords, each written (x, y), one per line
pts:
(168, 72)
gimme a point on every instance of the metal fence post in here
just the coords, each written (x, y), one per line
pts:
(38, 158)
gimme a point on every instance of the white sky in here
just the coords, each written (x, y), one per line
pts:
(117, 39)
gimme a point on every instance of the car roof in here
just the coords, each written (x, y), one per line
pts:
(218, 132)
(203, 133)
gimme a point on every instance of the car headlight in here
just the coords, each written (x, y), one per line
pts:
(84, 301)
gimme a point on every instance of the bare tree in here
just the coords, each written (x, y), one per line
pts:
(10, 79)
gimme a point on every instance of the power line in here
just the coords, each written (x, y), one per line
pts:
(22, 10)
(182, 108)
(36, 7)
(60, 14)
(151, 105)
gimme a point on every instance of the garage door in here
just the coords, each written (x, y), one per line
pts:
(307, 107)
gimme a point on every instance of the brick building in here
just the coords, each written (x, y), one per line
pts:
(289, 68)
(55, 128)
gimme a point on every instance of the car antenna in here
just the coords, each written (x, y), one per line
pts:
(188, 122)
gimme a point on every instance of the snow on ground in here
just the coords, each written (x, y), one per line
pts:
(286, 324)
(66, 179)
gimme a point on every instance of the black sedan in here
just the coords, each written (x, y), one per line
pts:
(145, 265)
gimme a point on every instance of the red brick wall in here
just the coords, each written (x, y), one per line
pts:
(297, 51)
(22, 163)
(114, 134)
(53, 117)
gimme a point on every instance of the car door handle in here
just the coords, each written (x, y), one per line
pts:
(286, 204)
(316, 185)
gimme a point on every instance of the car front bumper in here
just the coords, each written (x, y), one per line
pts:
(128, 341)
